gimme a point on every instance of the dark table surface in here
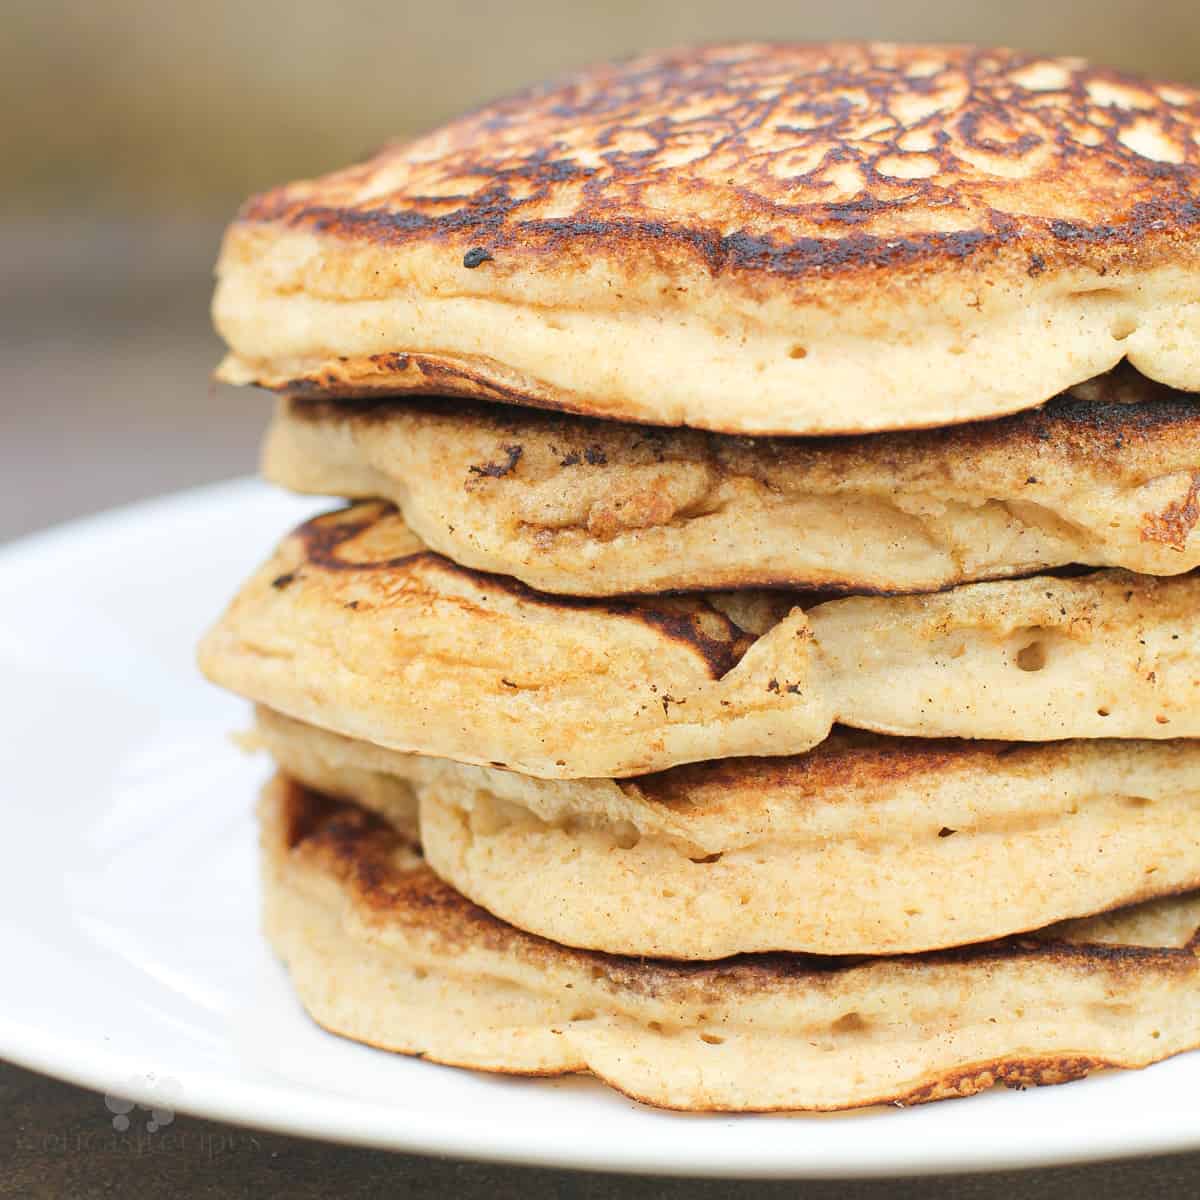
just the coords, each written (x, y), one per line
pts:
(105, 399)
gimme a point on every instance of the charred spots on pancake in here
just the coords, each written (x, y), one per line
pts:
(855, 138)
(1116, 421)
(323, 537)
(387, 874)
(690, 621)
(377, 862)
(300, 385)
(497, 470)
(594, 456)
(1173, 526)
(393, 361)
(480, 216)
(357, 846)
(742, 251)
(1110, 413)
(977, 126)
(693, 623)
(1143, 219)
(779, 689)
(1016, 1073)
(476, 257)
(385, 869)
(1119, 411)
(720, 653)
(512, 422)
(655, 440)
(1113, 958)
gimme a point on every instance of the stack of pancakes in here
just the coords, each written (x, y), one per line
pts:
(758, 663)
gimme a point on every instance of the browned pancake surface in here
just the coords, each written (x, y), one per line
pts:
(748, 238)
(796, 162)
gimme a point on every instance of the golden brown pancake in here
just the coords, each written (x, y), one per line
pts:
(590, 508)
(865, 845)
(381, 951)
(746, 238)
(354, 626)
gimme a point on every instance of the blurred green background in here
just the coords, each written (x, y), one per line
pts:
(131, 131)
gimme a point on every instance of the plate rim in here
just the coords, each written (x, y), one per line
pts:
(363, 1123)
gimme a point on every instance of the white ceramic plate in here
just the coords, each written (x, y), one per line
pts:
(128, 910)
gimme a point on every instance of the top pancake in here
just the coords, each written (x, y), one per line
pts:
(747, 238)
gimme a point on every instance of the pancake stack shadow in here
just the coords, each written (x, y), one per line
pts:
(757, 662)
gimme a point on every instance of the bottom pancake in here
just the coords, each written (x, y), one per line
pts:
(865, 845)
(383, 952)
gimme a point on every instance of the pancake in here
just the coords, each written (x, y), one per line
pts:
(747, 238)
(354, 626)
(381, 951)
(591, 508)
(862, 846)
